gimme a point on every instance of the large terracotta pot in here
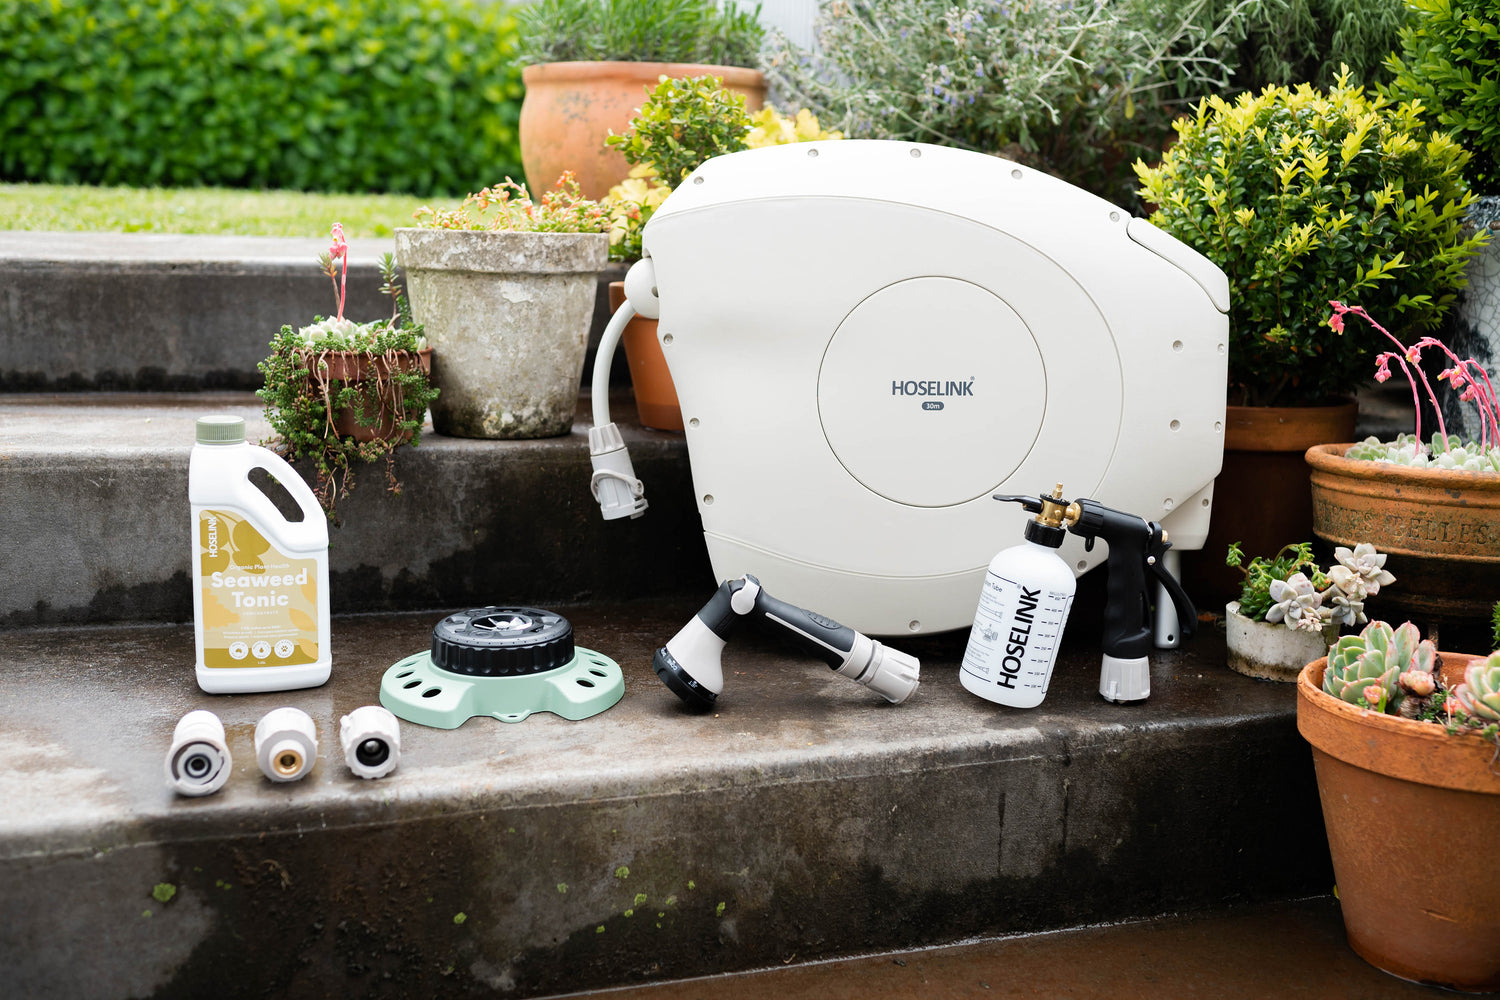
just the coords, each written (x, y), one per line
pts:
(571, 107)
(655, 395)
(353, 368)
(1413, 815)
(1261, 495)
(1439, 527)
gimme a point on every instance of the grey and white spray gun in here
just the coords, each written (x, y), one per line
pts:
(690, 664)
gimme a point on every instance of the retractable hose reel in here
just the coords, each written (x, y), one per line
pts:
(869, 339)
(504, 662)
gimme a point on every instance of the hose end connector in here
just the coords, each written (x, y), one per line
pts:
(198, 762)
(614, 484)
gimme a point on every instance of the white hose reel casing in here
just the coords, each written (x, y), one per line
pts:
(868, 339)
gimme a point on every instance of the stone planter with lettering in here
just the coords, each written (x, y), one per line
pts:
(1439, 527)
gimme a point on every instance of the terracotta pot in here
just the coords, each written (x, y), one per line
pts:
(353, 367)
(571, 107)
(655, 395)
(1270, 651)
(1412, 814)
(1439, 527)
(1261, 496)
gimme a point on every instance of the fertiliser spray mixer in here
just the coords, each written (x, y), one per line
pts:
(690, 664)
(1028, 591)
(868, 339)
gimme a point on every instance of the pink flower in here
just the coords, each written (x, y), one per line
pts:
(1337, 322)
(1383, 367)
(1454, 375)
(1414, 354)
(340, 246)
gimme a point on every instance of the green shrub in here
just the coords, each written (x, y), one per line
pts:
(1309, 41)
(1302, 197)
(1450, 61)
(682, 31)
(415, 96)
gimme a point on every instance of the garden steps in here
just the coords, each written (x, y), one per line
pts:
(804, 819)
(94, 489)
(155, 311)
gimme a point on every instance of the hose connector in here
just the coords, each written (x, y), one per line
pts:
(286, 744)
(614, 484)
(198, 762)
(371, 738)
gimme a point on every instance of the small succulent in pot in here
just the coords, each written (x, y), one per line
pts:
(1396, 672)
(1367, 669)
(1291, 589)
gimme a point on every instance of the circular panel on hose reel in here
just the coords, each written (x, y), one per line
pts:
(932, 391)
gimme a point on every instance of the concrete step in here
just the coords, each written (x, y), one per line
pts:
(94, 487)
(803, 819)
(1266, 952)
(152, 311)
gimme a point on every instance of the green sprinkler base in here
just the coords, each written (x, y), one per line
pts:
(419, 692)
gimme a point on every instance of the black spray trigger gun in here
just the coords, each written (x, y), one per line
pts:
(1028, 593)
(689, 664)
(1136, 548)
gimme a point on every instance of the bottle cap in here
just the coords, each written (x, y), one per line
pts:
(1045, 534)
(221, 429)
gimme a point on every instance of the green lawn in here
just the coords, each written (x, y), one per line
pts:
(72, 208)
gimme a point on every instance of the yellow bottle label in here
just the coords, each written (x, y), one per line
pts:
(260, 607)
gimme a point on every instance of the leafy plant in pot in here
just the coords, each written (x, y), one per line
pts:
(504, 287)
(590, 62)
(1404, 744)
(1302, 197)
(340, 392)
(1290, 611)
(683, 123)
(1434, 506)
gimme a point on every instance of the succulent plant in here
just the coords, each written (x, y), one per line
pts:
(1297, 602)
(1377, 657)
(1479, 694)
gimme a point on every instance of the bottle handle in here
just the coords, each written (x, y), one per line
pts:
(309, 533)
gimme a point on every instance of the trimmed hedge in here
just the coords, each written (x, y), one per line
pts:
(415, 96)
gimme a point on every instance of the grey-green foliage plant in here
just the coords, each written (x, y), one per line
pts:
(1450, 61)
(418, 96)
(682, 123)
(1301, 198)
(684, 31)
(1288, 42)
(1074, 88)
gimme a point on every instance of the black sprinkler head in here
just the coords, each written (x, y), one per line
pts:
(681, 683)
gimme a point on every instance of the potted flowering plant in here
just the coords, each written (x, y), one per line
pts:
(1404, 744)
(589, 62)
(683, 123)
(504, 287)
(1434, 506)
(1289, 611)
(340, 392)
(1302, 197)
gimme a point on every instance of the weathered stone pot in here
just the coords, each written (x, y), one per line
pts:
(571, 107)
(1261, 497)
(1271, 652)
(507, 315)
(1411, 813)
(655, 393)
(1439, 527)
